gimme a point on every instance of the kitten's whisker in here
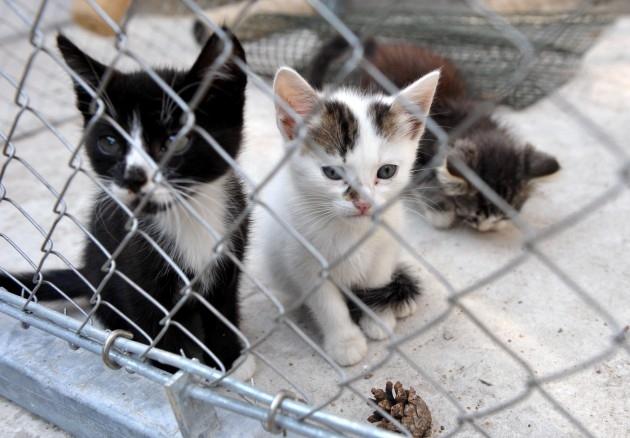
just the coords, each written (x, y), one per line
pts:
(197, 205)
(164, 102)
(420, 215)
(424, 201)
(315, 222)
(206, 197)
(174, 105)
(423, 188)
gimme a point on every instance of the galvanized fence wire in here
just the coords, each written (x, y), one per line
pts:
(301, 417)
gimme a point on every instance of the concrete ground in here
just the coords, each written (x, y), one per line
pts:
(20, 423)
(530, 310)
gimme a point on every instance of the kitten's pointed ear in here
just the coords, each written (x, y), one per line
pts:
(540, 164)
(214, 48)
(420, 95)
(90, 70)
(452, 170)
(293, 90)
(453, 181)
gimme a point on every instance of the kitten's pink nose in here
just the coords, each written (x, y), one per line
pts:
(363, 206)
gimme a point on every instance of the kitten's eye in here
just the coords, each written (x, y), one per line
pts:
(108, 144)
(332, 172)
(386, 171)
(182, 146)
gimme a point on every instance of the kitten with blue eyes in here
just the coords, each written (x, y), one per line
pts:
(126, 164)
(357, 156)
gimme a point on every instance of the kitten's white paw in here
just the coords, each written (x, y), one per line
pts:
(405, 309)
(441, 219)
(373, 329)
(245, 370)
(347, 347)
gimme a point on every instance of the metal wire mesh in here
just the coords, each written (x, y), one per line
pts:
(37, 103)
(453, 29)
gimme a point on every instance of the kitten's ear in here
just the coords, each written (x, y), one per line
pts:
(293, 90)
(453, 181)
(539, 163)
(89, 69)
(420, 95)
(213, 49)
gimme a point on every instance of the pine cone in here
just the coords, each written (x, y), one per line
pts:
(405, 406)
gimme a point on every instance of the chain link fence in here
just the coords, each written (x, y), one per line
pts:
(309, 393)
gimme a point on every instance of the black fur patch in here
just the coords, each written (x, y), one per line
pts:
(402, 289)
(382, 118)
(335, 129)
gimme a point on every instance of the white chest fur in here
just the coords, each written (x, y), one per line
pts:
(192, 236)
(371, 263)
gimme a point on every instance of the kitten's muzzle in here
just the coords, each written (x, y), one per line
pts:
(363, 207)
(135, 178)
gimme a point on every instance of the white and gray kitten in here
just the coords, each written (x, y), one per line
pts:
(358, 155)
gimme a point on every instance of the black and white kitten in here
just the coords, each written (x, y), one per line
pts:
(201, 177)
(488, 149)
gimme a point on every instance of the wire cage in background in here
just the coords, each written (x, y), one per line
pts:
(457, 30)
(485, 352)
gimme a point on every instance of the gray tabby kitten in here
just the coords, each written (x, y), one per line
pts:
(508, 168)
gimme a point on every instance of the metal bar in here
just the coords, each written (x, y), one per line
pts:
(92, 340)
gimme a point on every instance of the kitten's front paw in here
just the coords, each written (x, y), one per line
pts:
(405, 309)
(347, 347)
(442, 219)
(376, 331)
(246, 369)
